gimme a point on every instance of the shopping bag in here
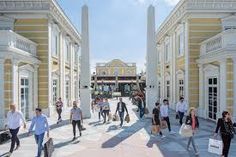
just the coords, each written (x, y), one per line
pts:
(155, 129)
(48, 148)
(127, 118)
(186, 130)
(146, 111)
(215, 146)
(163, 124)
(4, 136)
(109, 117)
(115, 117)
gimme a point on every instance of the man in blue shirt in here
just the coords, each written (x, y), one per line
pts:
(40, 125)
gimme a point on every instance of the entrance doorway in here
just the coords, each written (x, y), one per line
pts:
(24, 91)
(212, 97)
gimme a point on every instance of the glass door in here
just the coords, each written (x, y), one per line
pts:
(25, 97)
(212, 98)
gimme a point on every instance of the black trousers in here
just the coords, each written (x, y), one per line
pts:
(226, 144)
(78, 123)
(181, 116)
(168, 122)
(59, 111)
(14, 138)
(105, 115)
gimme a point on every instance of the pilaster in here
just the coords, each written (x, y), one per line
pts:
(2, 106)
(186, 52)
(223, 80)
(15, 82)
(234, 88)
(202, 108)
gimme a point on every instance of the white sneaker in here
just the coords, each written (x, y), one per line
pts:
(172, 132)
(163, 136)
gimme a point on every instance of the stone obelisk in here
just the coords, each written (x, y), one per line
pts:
(85, 75)
(151, 61)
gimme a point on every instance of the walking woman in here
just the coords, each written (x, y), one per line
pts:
(156, 119)
(192, 120)
(226, 130)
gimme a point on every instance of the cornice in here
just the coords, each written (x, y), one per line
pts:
(185, 7)
(41, 6)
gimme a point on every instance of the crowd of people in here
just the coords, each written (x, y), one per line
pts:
(160, 117)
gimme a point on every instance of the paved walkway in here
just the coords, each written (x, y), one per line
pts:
(106, 140)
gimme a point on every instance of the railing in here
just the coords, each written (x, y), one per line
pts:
(223, 40)
(11, 39)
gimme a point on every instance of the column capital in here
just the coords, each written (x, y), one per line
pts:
(223, 60)
(15, 61)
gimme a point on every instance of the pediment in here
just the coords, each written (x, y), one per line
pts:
(116, 63)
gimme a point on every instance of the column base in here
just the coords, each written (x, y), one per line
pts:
(85, 102)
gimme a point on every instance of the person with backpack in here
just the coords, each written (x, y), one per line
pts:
(121, 108)
(227, 131)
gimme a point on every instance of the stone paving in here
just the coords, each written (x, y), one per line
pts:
(107, 140)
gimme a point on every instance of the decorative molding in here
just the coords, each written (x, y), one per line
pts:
(185, 7)
(50, 7)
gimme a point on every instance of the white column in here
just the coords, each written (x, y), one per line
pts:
(72, 74)
(234, 90)
(174, 69)
(85, 92)
(151, 63)
(78, 72)
(2, 106)
(62, 68)
(35, 95)
(223, 89)
(186, 51)
(15, 82)
(202, 107)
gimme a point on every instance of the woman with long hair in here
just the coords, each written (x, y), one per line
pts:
(226, 131)
(192, 120)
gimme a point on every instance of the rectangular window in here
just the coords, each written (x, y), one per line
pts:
(181, 87)
(54, 91)
(180, 44)
(67, 90)
(168, 89)
(167, 52)
(25, 97)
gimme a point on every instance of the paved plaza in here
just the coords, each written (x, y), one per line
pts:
(107, 140)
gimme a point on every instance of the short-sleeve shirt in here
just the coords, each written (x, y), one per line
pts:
(76, 113)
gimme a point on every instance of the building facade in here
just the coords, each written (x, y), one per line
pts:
(196, 48)
(116, 76)
(39, 57)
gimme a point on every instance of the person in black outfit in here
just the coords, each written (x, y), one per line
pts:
(141, 108)
(121, 108)
(226, 130)
(155, 117)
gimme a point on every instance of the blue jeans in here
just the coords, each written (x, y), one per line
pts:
(39, 141)
(121, 114)
(141, 112)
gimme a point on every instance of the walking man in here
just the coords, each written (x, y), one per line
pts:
(164, 109)
(76, 118)
(59, 105)
(181, 108)
(40, 125)
(121, 108)
(106, 110)
(141, 107)
(14, 119)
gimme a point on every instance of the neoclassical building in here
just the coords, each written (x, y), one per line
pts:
(39, 56)
(196, 46)
(116, 75)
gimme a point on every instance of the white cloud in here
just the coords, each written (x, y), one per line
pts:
(172, 2)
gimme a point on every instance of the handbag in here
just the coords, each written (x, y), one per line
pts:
(48, 148)
(4, 136)
(115, 117)
(186, 130)
(163, 124)
(155, 129)
(127, 118)
(215, 146)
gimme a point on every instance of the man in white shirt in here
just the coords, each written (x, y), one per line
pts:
(14, 121)
(181, 108)
(164, 110)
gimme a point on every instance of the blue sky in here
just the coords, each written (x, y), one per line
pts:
(117, 27)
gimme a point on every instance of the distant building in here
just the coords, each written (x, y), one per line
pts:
(116, 76)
